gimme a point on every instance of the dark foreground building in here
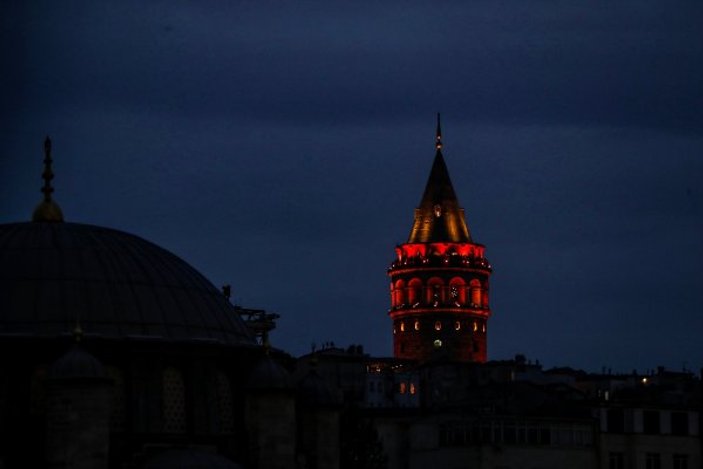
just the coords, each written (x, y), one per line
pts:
(116, 353)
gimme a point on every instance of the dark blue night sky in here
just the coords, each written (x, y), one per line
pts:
(282, 147)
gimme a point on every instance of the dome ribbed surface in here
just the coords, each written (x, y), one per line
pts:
(116, 284)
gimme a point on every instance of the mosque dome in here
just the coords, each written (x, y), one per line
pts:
(117, 285)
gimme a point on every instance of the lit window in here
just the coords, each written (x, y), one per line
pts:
(457, 325)
(483, 327)
(412, 388)
(402, 327)
(403, 387)
(475, 326)
(417, 325)
(394, 331)
(437, 343)
(438, 326)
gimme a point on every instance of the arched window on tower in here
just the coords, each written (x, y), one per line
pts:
(457, 291)
(399, 293)
(434, 293)
(174, 401)
(475, 287)
(414, 290)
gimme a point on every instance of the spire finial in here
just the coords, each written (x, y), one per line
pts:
(47, 210)
(438, 138)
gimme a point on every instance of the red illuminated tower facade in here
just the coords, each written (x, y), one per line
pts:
(439, 279)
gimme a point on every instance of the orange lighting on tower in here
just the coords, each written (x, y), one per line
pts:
(440, 276)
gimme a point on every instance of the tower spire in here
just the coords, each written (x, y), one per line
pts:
(440, 279)
(439, 218)
(47, 210)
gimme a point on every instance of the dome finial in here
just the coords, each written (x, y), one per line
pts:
(48, 174)
(438, 138)
(47, 210)
(78, 332)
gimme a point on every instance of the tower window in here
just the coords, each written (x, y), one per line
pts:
(398, 293)
(438, 325)
(475, 326)
(417, 325)
(414, 291)
(435, 291)
(457, 291)
(402, 326)
(412, 388)
(437, 343)
(483, 327)
(403, 387)
(475, 286)
(457, 325)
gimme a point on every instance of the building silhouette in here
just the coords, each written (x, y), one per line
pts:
(115, 353)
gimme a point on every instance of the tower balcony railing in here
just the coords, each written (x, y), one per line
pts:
(439, 305)
(450, 260)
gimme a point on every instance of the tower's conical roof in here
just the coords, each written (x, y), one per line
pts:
(439, 218)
